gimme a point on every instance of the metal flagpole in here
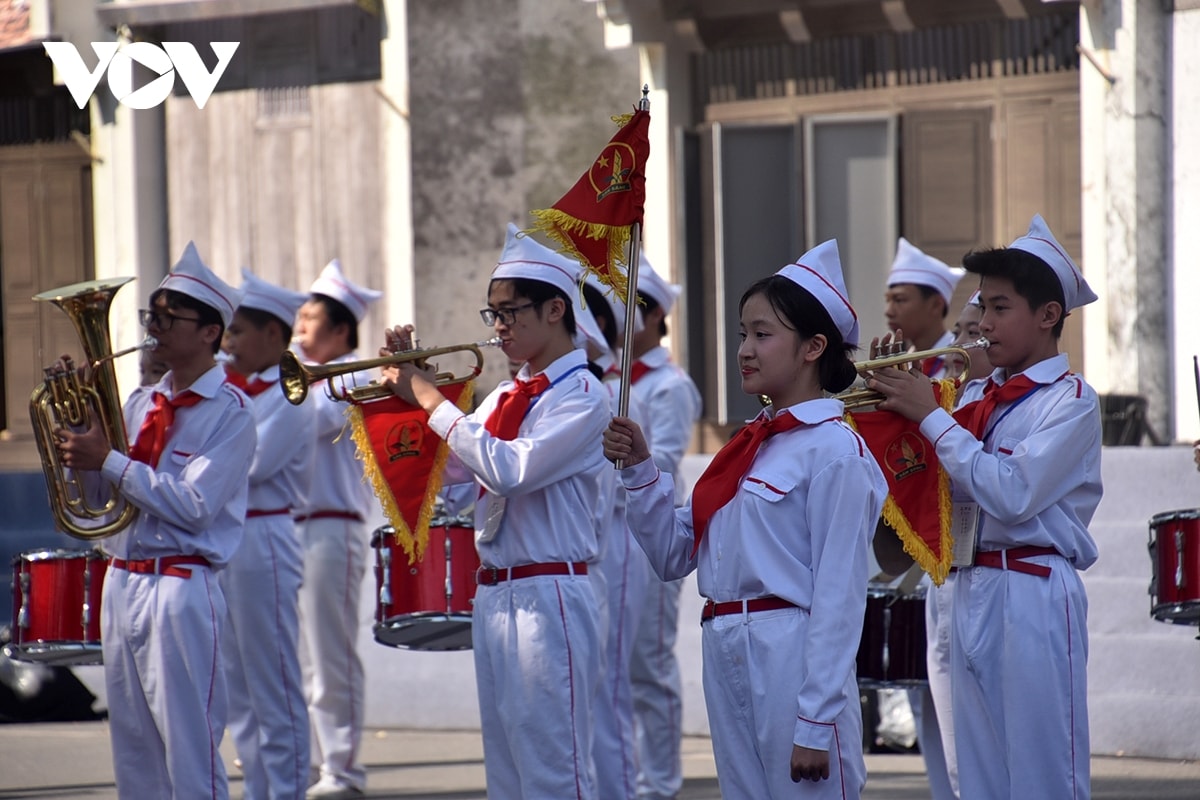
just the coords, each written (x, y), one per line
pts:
(635, 250)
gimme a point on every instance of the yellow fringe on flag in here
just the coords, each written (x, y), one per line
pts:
(413, 542)
(559, 225)
(937, 568)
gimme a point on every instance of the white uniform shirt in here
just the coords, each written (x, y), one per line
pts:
(1036, 475)
(552, 474)
(946, 340)
(672, 404)
(282, 472)
(798, 528)
(338, 478)
(194, 502)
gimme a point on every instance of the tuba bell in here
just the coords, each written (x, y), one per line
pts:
(69, 398)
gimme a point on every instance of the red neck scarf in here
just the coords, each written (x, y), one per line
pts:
(930, 366)
(639, 369)
(505, 420)
(720, 481)
(974, 416)
(152, 437)
(251, 388)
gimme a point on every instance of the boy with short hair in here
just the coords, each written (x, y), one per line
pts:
(332, 530)
(917, 301)
(1026, 457)
(533, 446)
(268, 720)
(163, 610)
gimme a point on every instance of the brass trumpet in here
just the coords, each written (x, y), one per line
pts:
(295, 377)
(861, 397)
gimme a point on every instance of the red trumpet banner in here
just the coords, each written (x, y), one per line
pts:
(592, 221)
(403, 461)
(918, 504)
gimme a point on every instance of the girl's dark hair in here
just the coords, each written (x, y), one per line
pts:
(1032, 278)
(206, 313)
(338, 314)
(261, 319)
(800, 311)
(648, 305)
(539, 293)
(598, 304)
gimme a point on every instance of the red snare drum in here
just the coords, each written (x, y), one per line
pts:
(426, 605)
(56, 606)
(892, 649)
(1175, 563)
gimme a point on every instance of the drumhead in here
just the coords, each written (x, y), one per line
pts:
(426, 631)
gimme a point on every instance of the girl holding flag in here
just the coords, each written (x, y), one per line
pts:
(778, 529)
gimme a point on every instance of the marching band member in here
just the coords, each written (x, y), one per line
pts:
(332, 530)
(778, 530)
(268, 719)
(672, 406)
(163, 611)
(919, 291)
(625, 574)
(1027, 456)
(917, 299)
(533, 445)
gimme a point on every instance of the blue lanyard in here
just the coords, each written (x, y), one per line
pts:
(556, 382)
(1009, 410)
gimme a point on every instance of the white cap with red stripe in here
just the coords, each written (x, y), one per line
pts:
(192, 277)
(912, 265)
(819, 271)
(1039, 241)
(265, 296)
(332, 283)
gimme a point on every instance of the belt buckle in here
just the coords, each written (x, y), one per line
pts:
(491, 576)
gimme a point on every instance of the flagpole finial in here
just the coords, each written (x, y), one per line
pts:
(644, 103)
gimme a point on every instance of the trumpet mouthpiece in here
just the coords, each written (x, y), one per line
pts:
(149, 343)
(981, 343)
(495, 341)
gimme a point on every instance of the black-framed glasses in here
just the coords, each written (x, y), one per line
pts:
(163, 320)
(506, 315)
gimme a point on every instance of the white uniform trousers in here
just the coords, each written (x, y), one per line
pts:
(658, 692)
(537, 662)
(751, 682)
(1019, 683)
(335, 563)
(268, 720)
(166, 690)
(932, 704)
(624, 574)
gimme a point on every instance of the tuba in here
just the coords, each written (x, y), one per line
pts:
(69, 398)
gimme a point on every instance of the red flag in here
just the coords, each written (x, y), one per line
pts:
(403, 461)
(592, 221)
(918, 503)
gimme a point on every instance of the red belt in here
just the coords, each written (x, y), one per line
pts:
(712, 609)
(489, 576)
(257, 512)
(171, 566)
(1011, 559)
(330, 514)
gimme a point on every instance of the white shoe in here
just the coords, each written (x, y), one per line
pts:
(330, 788)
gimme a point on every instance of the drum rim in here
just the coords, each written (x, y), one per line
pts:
(1168, 516)
(55, 554)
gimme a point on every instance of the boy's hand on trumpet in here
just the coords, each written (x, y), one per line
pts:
(909, 392)
(406, 379)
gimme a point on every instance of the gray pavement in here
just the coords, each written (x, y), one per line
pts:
(54, 761)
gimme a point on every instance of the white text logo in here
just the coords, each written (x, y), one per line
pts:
(118, 61)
